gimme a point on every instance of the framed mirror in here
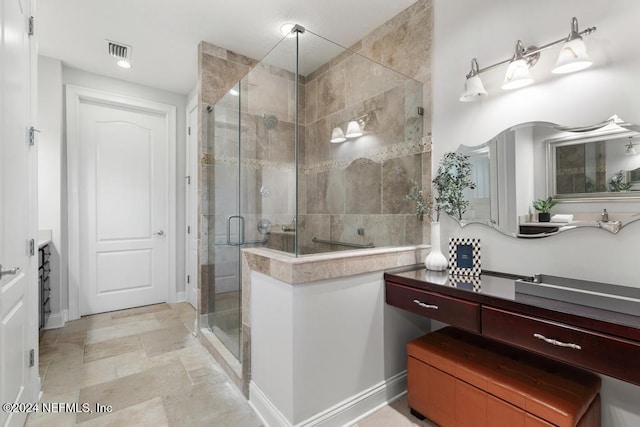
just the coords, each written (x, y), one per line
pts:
(592, 172)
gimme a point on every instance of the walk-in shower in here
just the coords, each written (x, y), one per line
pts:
(276, 179)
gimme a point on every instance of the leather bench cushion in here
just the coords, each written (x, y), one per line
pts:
(551, 390)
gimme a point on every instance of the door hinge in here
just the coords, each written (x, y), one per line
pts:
(32, 247)
(189, 130)
(188, 279)
(188, 229)
(32, 25)
(188, 178)
(32, 358)
(32, 135)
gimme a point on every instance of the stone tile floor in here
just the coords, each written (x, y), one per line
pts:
(146, 363)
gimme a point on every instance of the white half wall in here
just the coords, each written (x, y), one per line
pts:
(488, 31)
(326, 352)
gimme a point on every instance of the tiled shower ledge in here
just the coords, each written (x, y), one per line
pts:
(310, 268)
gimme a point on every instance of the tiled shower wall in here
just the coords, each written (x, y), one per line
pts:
(402, 44)
(355, 191)
(331, 205)
(362, 183)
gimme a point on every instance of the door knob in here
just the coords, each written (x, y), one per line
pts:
(159, 233)
(8, 271)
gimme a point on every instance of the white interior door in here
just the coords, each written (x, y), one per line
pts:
(191, 259)
(123, 209)
(18, 289)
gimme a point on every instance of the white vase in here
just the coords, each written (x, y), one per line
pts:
(435, 261)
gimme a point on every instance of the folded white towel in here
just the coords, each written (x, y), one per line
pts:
(562, 218)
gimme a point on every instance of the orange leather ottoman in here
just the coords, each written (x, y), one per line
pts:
(460, 379)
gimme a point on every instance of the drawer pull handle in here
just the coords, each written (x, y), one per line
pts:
(558, 343)
(423, 305)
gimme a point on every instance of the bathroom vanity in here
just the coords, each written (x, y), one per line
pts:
(591, 325)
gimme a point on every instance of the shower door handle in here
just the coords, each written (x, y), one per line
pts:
(241, 240)
(240, 232)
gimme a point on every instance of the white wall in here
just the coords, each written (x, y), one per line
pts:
(52, 154)
(50, 176)
(488, 30)
(326, 344)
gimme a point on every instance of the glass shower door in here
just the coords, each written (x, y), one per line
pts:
(226, 226)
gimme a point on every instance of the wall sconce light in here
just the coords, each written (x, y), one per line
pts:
(355, 129)
(573, 57)
(337, 136)
(518, 74)
(473, 86)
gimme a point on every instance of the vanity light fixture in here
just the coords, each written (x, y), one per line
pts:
(473, 87)
(573, 57)
(518, 74)
(355, 129)
(337, 136)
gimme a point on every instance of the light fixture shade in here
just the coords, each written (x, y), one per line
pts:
(337, 136)
(573, 57)
(473, 89)
(353, 129)
(517, 75)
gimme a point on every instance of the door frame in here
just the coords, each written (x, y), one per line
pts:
(75, 95)
(191, 202)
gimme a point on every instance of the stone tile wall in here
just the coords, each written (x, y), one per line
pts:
(342, 188)
(361, 184)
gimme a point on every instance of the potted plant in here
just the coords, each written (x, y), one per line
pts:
(452, 178)
(543, 206)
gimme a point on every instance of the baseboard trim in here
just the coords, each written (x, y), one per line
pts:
(347, 412)
(56, 320)
(181, 296)
(268, 413)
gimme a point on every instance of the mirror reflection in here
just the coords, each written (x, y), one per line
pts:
(592, 174)
(600, 163)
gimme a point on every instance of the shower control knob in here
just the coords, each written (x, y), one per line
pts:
(264, 226)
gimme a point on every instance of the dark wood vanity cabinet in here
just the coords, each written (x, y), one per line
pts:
(602, 341)
(44, 270)
(453, 311)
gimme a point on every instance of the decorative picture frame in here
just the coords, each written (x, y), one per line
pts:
(467, 283)
(464, 256)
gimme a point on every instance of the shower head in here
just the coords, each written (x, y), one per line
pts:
(270, 121)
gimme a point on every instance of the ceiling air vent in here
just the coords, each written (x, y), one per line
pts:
(119, 50)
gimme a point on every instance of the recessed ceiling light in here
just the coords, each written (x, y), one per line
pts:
(285, 29)
(124, 64)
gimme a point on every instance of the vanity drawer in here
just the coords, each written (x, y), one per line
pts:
(453, 311)
(606, 354)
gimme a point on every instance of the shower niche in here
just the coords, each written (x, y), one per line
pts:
(275, 180)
